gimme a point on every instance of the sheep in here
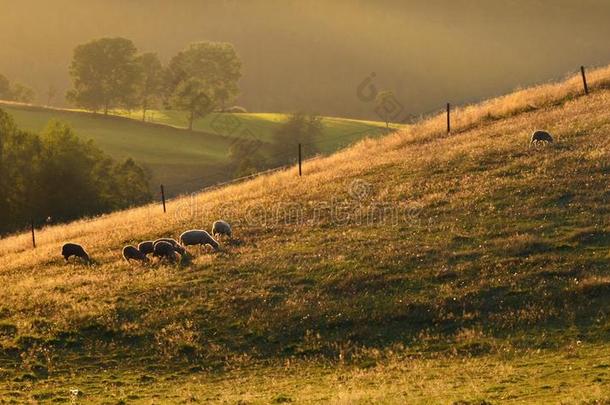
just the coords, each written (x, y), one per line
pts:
(541, 136)
(73, 249)
(198, 237)
(163, 249)
(177, 247)
(221, 227)
(132, 253)
(146, 247)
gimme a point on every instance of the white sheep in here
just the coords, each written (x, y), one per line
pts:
(198, 237)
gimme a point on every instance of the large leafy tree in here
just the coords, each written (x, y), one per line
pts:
(203, 77)
(150, 87)
(105, 74)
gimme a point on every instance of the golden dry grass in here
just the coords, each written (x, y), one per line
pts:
(484, 241)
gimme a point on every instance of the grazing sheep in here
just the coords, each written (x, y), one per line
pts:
(163, 249)
(132, 253)
(221, 227)
(541, 136)
(177, 247)
(73, 249)
(198, 237)
(146, 247)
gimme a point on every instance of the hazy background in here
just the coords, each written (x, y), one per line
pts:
(311, 54)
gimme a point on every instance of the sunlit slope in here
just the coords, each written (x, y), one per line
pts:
(337, 132)
(413, 238)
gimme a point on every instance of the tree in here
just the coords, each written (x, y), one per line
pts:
(21, 93)
(5, 88)
(150, 86)
(15, 92)
(246, 157)
(386, 106)
(51, 93)
(203, 77)
(299, 128)
(105, 74)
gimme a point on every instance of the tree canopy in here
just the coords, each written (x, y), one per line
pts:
(203, 77)
(105, 74)
(15, 91)
(150, 85)
(56, 174)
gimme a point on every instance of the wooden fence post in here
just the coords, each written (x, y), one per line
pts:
(163, 198)
(33, 234)
(448, 118)
(584, 79)
(300, 161)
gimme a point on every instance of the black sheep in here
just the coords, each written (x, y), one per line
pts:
(73, 249)
(541, 136)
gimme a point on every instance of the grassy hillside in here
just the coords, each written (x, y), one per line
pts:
(185, 161)
(172, 155)
(419, 267)
(338, 132)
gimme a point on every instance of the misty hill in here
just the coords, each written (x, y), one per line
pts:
(464, 256)
(311, 55)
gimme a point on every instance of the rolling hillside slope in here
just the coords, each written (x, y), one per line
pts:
(185, 161)
(338, 132)
(418, 267)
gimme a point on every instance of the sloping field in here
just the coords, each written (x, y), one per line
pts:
(421, 267)
(172, 155)
(338, 132)
(185, 161)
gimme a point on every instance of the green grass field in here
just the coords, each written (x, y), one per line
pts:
(338, 132)
(463, 268)
(181, 160)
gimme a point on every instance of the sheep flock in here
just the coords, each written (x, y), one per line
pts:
(162, 249)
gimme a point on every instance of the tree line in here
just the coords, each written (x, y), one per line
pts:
(55, 176)
(109, 73)
(15, 91)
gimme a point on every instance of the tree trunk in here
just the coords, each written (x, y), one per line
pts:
(106, 109)
(144, 108)
(191, 119)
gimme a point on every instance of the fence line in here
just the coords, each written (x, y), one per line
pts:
(300, 161)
